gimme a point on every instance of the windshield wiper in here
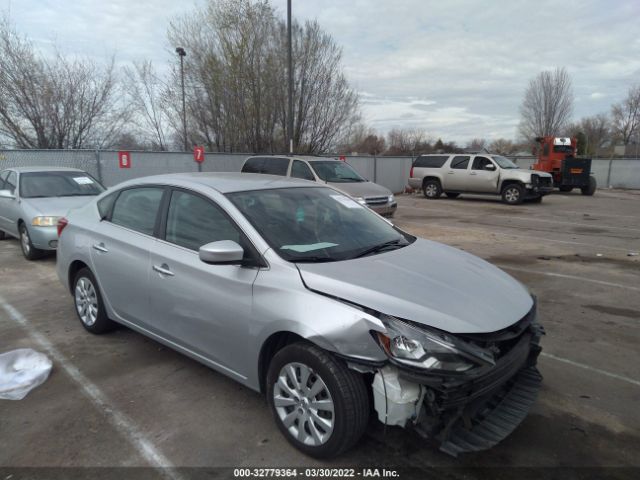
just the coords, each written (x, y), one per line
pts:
(393, 244)
(314, 259)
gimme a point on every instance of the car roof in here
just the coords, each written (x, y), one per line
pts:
(308, 158)
(43, 169)
(223, 182)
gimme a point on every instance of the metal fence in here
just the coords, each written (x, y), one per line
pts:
(392, 172)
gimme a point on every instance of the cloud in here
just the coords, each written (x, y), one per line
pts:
(457, 69)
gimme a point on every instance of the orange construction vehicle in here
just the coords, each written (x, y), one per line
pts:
(558, 156)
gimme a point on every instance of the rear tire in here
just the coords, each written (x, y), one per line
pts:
(513, 194)
(28, 250)
(302, 376)
(452, 194)
(89, 305)
(591, 188)
(432, 189)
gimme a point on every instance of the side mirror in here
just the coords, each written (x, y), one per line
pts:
(6, 194)
(491, 167)
(224, 252)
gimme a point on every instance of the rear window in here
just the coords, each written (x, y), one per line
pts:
(268, 165)
(430, 162)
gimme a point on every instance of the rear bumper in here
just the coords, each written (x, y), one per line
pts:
(415, 183)
(44, 238)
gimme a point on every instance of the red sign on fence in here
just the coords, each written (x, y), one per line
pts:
(198, 154)
(343, 158)
(124, 159)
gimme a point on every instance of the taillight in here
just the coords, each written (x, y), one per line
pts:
(62, 222)
(411, 172)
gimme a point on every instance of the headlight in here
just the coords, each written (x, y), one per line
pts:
(429, 349)
(391, 199)
(45, 221)
(360, 200)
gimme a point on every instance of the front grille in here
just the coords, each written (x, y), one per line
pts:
(376, 200)
(544, 181)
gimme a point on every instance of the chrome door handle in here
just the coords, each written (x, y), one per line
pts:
(451, 173)
(163, 269)
(473, 173)
(100, 247)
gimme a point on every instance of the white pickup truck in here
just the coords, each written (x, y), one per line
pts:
(483, 174)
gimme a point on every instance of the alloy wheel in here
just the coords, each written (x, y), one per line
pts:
(24, 241)
(431, 190)
(304, 405)
(86, 301)
(512, 195)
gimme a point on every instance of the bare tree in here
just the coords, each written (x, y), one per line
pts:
(595, 132)
(407, 142)
(55, 102)
(626, 116)
(502, 146)
(146, 93)
(237, 80)
(547, 104)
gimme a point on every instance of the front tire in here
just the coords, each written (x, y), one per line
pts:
(590, 189)
(432, 189)
(320, 405)
(28, 250)
(89, 305)
(513, 194)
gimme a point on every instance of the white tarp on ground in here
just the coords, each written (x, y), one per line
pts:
(21, 371)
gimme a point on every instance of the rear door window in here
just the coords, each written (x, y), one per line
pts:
(276, 166)
(267, 165)
(253, 165)
(460, 162)
(301, 170)
(435, 161)
(137, 208)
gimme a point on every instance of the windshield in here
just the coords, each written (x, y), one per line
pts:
(504, 162)
(317, 224)
(58, 184)
(335, 171)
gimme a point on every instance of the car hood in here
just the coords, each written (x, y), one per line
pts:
(428, 283)
(361, 189)
(56, 206)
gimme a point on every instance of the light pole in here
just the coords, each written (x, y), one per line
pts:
(180, 51)
(290, 68)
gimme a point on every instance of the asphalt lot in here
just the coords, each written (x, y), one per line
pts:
(125, 400)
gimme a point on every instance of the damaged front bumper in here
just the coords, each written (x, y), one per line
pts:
(470, 411)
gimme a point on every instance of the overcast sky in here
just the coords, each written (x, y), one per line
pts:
(457, 69)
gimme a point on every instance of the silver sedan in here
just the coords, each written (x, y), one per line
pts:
(300, 292)
(32, 199)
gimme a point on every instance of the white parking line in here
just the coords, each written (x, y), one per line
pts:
(571, 277)
(119, 420)
(592, 369)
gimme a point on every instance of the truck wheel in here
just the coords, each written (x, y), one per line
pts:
(513, 194)
(452, 194)
(319, 404)
(591, 188)
(431, 189)
(565, 188)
